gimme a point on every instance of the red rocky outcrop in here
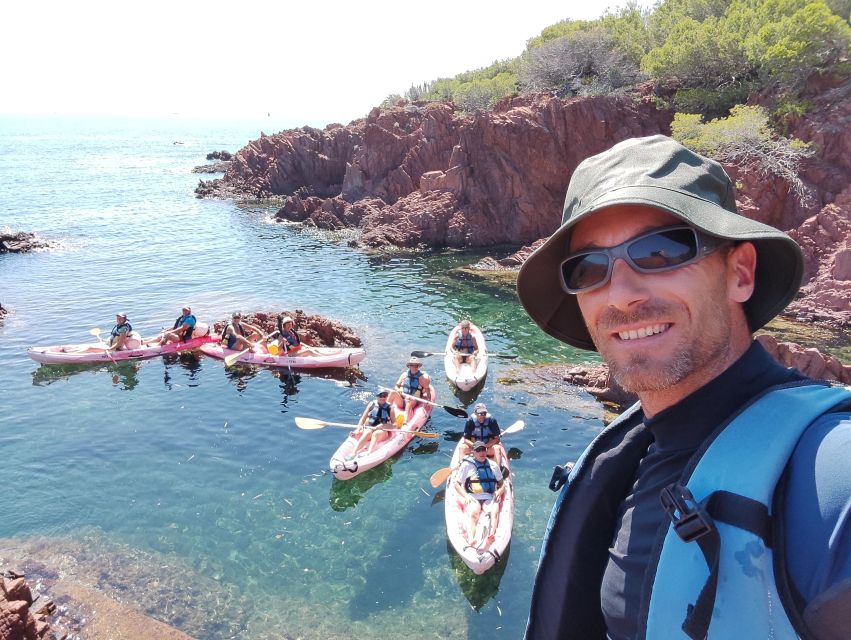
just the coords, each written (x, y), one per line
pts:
(313, 329)
(425, 176)
(20, 617)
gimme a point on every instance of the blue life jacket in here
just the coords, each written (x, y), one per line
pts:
(291, 337)
(483, 430)
(187, 333)
(117, 328)
(464, 343)
(484, 476)
(411, 383)
(379, 414)
(714, 573)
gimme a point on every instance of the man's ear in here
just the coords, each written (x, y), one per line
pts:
(741, 268)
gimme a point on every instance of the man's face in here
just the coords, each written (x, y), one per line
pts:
(662, 330)
(481, 453)
(481, 415)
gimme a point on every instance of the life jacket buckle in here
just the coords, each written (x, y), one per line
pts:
(559, 477)
(689, 518)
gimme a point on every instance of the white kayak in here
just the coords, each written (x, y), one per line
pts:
(320, 358)
(344, 468)
(140, 349)
(465, 376)
(481, 549)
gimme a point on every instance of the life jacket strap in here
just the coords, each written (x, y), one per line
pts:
(695, 521)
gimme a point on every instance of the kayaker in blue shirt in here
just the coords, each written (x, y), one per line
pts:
(182, 329)
(239, 334)
(719, 505)
(479, 482)
(378, 413)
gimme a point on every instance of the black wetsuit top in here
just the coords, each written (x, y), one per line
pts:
(678, 431)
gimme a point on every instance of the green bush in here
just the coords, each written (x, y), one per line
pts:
(713, 103)
(745, 140)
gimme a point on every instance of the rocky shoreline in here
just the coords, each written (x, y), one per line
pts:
(23, 242)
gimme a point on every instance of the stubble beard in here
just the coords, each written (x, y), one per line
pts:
(642, 372)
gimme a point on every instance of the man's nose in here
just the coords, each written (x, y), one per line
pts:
(627, 287)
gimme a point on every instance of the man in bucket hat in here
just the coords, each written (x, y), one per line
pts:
(671, 526)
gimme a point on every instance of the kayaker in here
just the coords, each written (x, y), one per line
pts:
(481, 426)
(479, 481)
(464, 345)
(289, 341)
(379, 412)
(718, 505)
(239, 334)
(120, 333)
(182, 329)
(413, 382)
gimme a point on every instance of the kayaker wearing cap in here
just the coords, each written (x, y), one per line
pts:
(378, 412)
(464, 345)
(289, 341)
(120, 333)
(481, 426)
(182, 329)
(654, 268)
(239, 334)
(413, 382)
(479, 481)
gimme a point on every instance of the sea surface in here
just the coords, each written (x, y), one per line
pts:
(185, 489)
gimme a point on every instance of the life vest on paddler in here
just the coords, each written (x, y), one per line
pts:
(411, 382)
(464, 343)
(713, 512)
(230, 340)
(485, 479)
(187, 333)
(292, 340)
(117, 329)
(380, 414)
(484, 430)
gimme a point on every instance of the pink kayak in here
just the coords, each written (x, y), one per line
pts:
(480, 549)
(345, 469)
(322, 357)
(96, 352)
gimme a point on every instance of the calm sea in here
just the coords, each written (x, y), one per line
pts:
(186, 490)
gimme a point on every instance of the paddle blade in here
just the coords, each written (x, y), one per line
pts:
(458, 412)
(232, 358)
(507, 356)
(308, 423)
(273, 349)
(440, 476)
(95, 331)
(514, 428)
(424, 354)
(425, 434)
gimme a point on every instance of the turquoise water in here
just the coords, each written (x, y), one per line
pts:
(178, 466)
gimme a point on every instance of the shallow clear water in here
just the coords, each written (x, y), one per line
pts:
(178, 465)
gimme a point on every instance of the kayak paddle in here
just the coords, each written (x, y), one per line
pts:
(458, 412)
(423, 354)
(310, 424)
(96, 333)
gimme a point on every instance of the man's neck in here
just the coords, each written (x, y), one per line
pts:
(654, 401)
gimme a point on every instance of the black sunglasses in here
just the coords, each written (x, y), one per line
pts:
(652, 252)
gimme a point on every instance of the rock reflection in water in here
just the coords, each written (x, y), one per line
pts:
(123, 373)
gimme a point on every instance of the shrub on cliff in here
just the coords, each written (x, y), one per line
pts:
(745, 140)
(478, 89)
(585, 62)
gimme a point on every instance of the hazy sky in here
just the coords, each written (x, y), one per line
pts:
(309, 62)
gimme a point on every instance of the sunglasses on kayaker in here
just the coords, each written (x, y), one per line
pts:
(656, 251)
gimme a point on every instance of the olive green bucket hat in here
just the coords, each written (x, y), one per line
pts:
(661, 173)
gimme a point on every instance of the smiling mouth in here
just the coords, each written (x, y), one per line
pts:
(643, 332)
